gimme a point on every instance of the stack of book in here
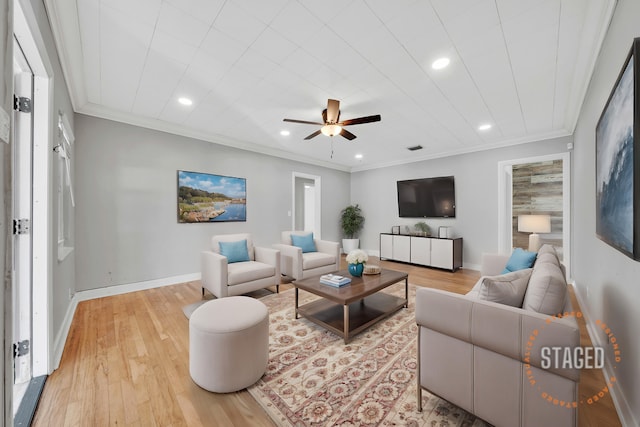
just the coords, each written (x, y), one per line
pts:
(334, 280)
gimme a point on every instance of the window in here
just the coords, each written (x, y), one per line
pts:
(66, 202)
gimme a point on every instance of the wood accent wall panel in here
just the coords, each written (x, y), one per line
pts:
(537, 189)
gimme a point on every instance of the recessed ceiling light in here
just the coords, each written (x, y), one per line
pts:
(285, 133)
(185, 101)
(358, 156)
(485, 126)
(440, 63)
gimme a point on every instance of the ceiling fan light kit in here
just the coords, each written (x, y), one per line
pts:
(331, 130)
(331, 124)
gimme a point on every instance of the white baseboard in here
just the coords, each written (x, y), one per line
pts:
(619, 400)
(61, 336)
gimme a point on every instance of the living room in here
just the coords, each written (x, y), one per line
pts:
(126, 237)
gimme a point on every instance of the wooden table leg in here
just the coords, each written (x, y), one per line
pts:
(296, 312)
(406, 292)
(346, 323)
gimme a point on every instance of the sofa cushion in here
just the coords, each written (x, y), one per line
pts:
(547, 289)
(234, 251)
(519, 260)
(316, 259)
(248, 271)
(304, 242)
(508, 289)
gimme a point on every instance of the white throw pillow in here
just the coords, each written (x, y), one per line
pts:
(508, 289)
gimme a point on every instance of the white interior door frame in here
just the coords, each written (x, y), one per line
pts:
(317, 202)
(505, 200)
(32, 43)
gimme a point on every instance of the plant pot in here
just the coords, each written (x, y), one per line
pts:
(349, 245)
(356, 269)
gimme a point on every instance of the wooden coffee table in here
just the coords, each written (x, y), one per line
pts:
(350, 309)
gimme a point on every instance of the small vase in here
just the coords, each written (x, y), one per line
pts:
(356, 269)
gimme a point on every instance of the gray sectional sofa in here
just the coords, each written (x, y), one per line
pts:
(483, 351)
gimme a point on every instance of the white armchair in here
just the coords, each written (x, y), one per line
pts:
(298, 265)
(223, 278)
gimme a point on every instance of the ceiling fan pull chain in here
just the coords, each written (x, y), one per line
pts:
(331, 147)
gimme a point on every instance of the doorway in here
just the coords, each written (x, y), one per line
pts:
(31, 289)
(306, 198)
(22, 214)
(535, 185)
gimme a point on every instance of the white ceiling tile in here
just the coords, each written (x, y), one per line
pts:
(205, 11)
(172, 48)
(274, 45)
(207, 70)
(181, 25)
(480, 17)
(296, 23)
(159, 78)
(124, 38)
(238, 24)
(145, 11)
(223, 48)
(88, 14)
(265, 11)
(325, 10)
(418, 21)
(255, 63)
(301, 63)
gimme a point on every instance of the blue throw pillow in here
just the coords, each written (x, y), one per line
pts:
(520, 260)
(304, 241)
(235, 251)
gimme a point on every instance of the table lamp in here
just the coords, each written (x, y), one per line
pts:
(534, 224)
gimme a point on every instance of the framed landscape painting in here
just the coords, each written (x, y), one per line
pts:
(204, 197)
(617, 161)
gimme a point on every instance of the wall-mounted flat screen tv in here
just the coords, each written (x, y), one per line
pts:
(427, 198)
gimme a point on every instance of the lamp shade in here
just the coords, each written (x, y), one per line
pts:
(534, 223)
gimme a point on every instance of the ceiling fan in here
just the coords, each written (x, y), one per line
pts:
(332, 125)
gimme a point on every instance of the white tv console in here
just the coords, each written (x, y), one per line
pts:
(419, 250)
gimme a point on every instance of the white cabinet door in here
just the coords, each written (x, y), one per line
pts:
(386, 246)
(402, 248)
(421, 250)
(442, 253)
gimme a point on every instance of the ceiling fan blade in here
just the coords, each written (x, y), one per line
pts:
(333, 110)
(345, 133)
(361, 120)
(302, 121)
(313, 135)
(324, 115)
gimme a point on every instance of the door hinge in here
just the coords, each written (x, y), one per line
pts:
(21, 226)
(22, 104)
(21, 348)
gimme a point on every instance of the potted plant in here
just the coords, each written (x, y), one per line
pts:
(423, 228)
(351, 222)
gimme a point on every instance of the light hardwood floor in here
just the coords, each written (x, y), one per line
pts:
(126, 363)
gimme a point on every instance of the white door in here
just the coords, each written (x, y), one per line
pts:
(22, 214)
(309, 207)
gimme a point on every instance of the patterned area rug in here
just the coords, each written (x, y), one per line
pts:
(314, 379)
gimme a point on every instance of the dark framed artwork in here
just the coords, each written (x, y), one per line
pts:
(617, 161)
(204, 197)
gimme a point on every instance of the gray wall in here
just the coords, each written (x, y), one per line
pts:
(476, 176)
(126, 190)
(605, 278)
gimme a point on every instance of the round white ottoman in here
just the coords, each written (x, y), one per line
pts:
(228, 343)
